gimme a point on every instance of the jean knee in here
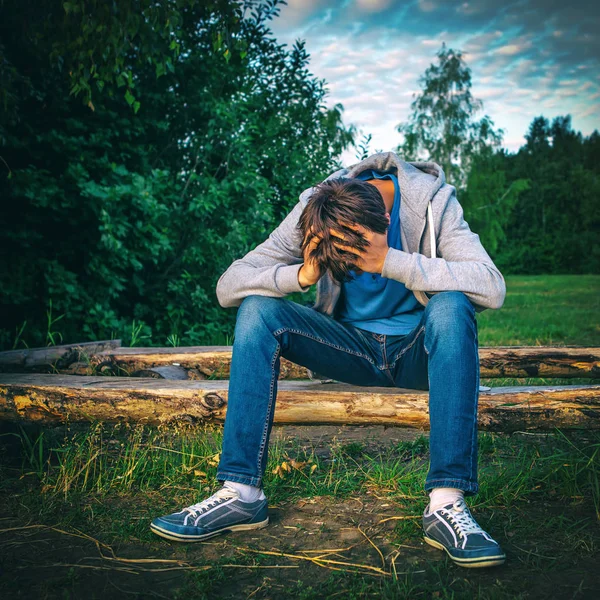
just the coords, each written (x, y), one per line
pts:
(445, 301)
(449, 309)
(254, 312)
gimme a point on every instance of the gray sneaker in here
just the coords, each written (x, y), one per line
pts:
(452, 528)
(222, 512)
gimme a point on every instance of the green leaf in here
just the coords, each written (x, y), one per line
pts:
(129, 97)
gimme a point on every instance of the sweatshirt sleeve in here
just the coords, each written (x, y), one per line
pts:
(271, 269)
(464, 265)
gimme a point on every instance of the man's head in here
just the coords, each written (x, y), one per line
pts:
(335, 204)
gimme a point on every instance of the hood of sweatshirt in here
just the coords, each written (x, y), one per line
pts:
(419, 183)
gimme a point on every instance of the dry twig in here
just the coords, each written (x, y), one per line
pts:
(321, 562)
(402, 518)
(374, 546)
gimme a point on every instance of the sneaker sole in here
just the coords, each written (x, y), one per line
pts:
(488, 561)
(169, 535)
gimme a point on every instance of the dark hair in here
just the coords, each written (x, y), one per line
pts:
(334, 203)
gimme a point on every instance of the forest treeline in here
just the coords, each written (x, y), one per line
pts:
(144, 146)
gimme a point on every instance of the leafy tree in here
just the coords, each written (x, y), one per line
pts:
(97, 44)
(489, 200)
(442, 127)
(363, 147)
(555, 222)
(124, 220)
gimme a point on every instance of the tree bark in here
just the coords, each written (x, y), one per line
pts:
(61, 398)
(60, 357)
(214, 361)
(495, 361)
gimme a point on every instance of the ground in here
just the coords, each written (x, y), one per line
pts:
(345, 502)
(357, 545)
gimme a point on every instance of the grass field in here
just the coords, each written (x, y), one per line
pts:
(545, 310)
(345, 502)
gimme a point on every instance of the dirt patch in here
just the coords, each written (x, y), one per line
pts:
(320, 547)
(312, 548)
(320, 438)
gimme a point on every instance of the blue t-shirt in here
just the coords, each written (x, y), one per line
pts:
(375, 303)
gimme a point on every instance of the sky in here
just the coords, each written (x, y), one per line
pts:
(527, 58)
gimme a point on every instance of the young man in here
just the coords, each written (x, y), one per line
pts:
(389, 312)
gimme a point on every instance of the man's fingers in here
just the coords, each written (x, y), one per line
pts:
(337, 234)
(348, 249)
(340, 235)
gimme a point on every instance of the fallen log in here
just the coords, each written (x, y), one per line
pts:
(540, 361)
(61, 398)
(495, 361)
(59, 357)
(210, 361)
(108, 358)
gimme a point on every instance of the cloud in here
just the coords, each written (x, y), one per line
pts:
(525, 56)
(510, 49)
(470, 8)
(373, 5)
(428, 6)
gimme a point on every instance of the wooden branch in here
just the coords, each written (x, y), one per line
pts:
(211, 361)
(540, 361)
(495, 361)
(60, 398)
(214, 361)
(59, 356)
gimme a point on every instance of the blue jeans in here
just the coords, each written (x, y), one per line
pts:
(439, 355)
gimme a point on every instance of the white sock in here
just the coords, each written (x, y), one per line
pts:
(439, 497)
(248, 493)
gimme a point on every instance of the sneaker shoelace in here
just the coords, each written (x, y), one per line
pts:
(461, 516)
(223, 494)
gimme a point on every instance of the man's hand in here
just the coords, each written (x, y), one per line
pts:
(309, 272)
(372, 258)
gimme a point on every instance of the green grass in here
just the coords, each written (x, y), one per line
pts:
(118, 459)
(97, 479)
(544, 310)
(540, 494)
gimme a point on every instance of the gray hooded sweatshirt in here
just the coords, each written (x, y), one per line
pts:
(440, 252)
